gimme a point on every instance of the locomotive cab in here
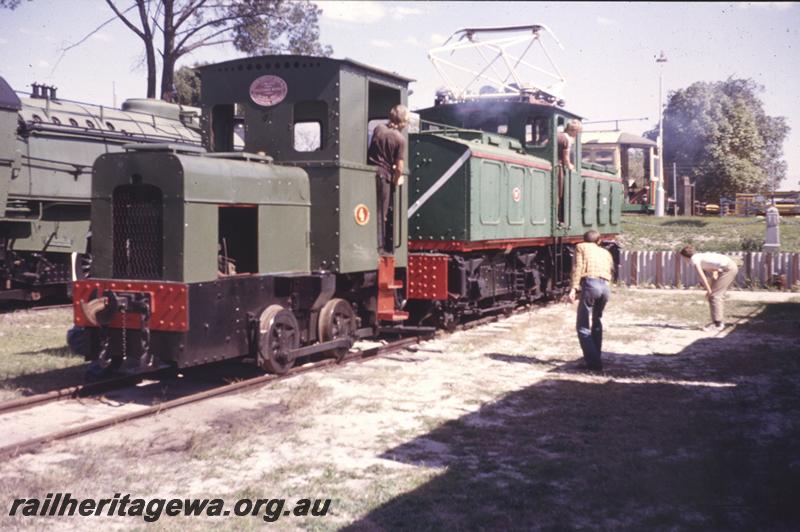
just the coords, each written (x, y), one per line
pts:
(316, 113)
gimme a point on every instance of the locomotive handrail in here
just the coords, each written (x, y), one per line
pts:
(102, 134)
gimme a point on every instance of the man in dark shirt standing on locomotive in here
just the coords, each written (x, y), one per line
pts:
(387, 151)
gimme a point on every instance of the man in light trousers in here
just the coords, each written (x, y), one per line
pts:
(723, 271)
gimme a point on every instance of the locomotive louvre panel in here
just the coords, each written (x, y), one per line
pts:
(603, 205)
(516, 189)
(540, 198)
(615, 201)
(489, 197)
(589, 202)
(137, 217)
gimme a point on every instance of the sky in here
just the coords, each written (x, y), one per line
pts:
(608, 56)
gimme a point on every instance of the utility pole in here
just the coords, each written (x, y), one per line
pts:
(660, 60)
(675, 188)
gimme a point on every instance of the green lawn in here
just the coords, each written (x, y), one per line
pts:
(706, 233)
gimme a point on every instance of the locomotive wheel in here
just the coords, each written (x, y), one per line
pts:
(279, 335)
(337, 320)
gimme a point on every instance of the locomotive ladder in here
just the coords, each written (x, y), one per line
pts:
(387, 289)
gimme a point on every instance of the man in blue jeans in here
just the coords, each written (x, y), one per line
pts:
(591, 274)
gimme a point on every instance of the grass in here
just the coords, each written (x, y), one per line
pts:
(706, 233)
(34, 356)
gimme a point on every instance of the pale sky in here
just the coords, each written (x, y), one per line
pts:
(608, 57)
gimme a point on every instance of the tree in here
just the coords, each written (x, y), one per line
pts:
(719, 135)
(183, 26)
(187, 84)
(252, 26)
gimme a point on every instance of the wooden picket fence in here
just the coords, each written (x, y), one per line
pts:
(668, 269)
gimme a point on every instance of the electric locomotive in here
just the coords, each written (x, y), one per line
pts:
(47, 148)
(210, 254)
(494, 213)
(485, 229)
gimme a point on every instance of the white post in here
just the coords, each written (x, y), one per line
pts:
(674, 188)
(661, 59)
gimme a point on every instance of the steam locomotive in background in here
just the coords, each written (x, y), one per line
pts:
(47, 148)
(205, 254)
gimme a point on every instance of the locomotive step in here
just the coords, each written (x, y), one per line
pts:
(393, 315)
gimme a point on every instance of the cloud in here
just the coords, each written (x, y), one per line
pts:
(603, 21)
(3, 41)
(779, 6)
(437, 39)
(412, 41)
(365, 12)
(380, 43)
(42, 63)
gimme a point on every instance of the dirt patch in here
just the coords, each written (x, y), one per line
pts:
(488, 428)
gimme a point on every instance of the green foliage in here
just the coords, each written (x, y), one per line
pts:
(277, 27)
(719, 135)
(10, 4)
(751, 244)
(180, 27)
(187, 84)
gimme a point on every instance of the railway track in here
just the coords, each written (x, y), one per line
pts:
(32, 444)
(94, 389)
(11, 308)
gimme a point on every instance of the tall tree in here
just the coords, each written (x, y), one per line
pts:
(183, 26)
(252, 26)
(719, 135)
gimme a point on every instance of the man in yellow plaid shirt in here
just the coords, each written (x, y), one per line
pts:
(591, 274)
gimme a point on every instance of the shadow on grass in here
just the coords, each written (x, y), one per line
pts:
(46, 381)
(684, 223)
(704, 440)
(63, 351)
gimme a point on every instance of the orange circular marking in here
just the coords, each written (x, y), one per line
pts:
(361, 214)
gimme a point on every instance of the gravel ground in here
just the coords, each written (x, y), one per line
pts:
(493, 428)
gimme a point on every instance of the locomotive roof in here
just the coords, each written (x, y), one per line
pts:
(289, 59)
(615, 137)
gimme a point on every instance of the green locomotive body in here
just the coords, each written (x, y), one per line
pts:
(47, 148)
(203, 256)
(486, 231)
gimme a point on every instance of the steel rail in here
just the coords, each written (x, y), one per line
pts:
(78, 391)
(33, 444)
(358, 356)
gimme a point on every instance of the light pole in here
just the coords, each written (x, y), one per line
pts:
(661, 59)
